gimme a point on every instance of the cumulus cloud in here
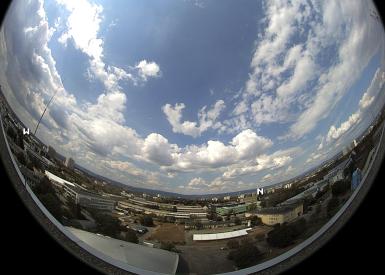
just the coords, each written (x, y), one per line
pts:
(137, 177)
(289, 81)
(360, 41)
(284, 73)
(82, 29)
(214, 154)
(207, 119)
(336, 133)
(276, 160)
(367, 99)
(197, 184)
(97, 131)
(156, 148)
(148, 69)
(30, 79)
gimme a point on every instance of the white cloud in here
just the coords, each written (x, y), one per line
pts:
(96, 132)
(274, 161)
(289, 82)
(197, 184)
(137, 177)
(367, 99)
(148, 69)
(335, 133)
(248, 144)
(83, 25)
(214, 154)
(157, 149)
(360, 42)
(207, 119)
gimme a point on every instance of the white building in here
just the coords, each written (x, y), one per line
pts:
(80, 195)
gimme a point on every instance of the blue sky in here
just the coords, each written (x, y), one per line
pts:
(195, 96)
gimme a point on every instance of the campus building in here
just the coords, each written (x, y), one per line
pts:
(177, 212)
(231, 209)
(280, 214)
(80, 195)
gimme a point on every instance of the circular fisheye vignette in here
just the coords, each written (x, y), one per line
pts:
(263, 229)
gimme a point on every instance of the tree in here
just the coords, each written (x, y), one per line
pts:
(168, 246)
(130, 236)
(198, 225)
(252, 207)
(37, 164)
(340, 188)
(53, 205)
(246, 255)
(21, 158)
(228, 216)
(146, 220)
(332, 206)
(19, 140)
(11, 133)
(106, 224)
(74, 210)
(255, 220)
(44, 186)
(30, 165)
(285, 234)
(212, 216)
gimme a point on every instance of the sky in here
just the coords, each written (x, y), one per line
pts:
(194, 96)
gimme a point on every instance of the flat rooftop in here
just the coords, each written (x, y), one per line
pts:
(220, 236)
(139, 256)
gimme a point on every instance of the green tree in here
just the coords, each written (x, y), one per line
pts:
(286, 234)
(130, 236)
(168, 246)
(340, 188)
(106, 224)
(53, 205)
(44, 186)
(146, 220)
(21, 158)
(255, 220)
(19, 140)
(332, 206)
(198, 225)
(246, 255)
(11, 133)
(252, 207)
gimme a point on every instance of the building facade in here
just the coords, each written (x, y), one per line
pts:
(281, 214)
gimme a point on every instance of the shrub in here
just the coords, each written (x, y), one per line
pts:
(146, 220)
(285, 234)
(246, 255)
